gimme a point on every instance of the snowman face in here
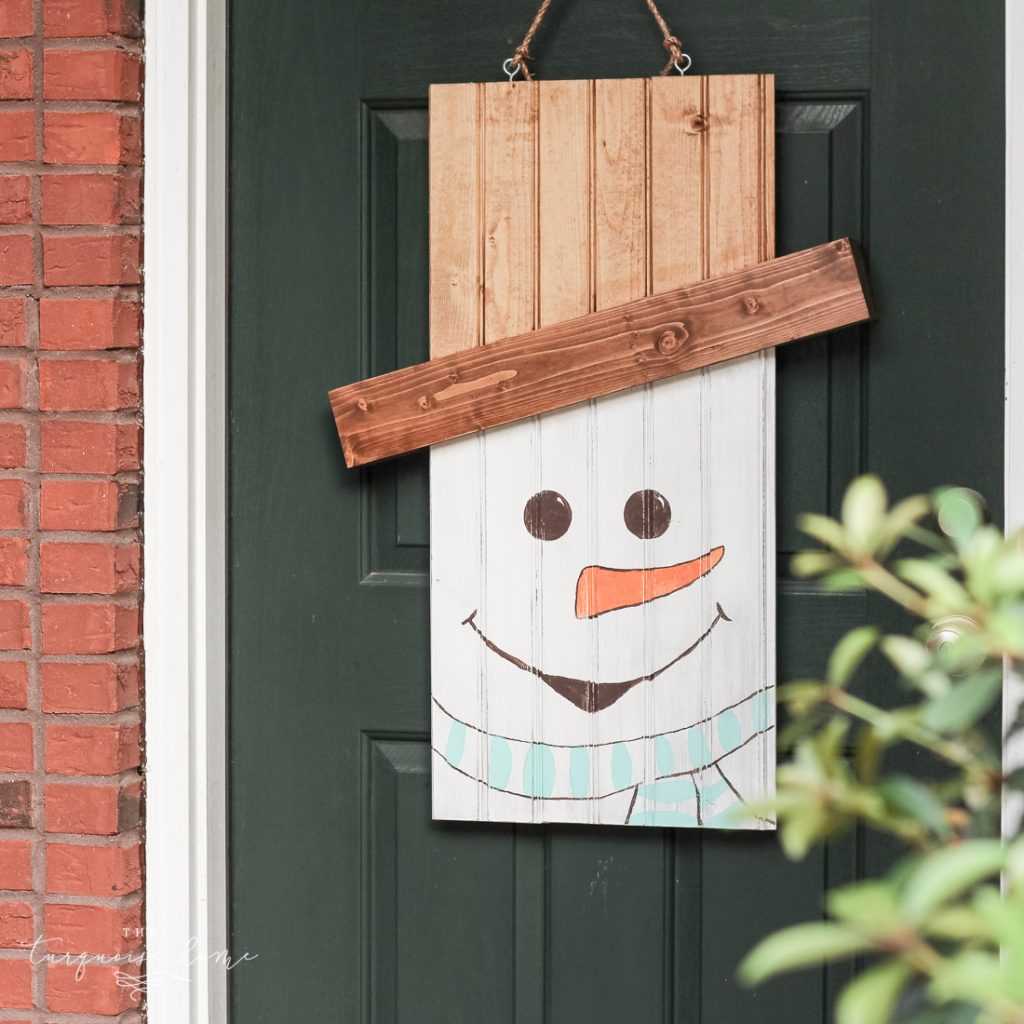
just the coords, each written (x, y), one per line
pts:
(586, 590)
(547, 516)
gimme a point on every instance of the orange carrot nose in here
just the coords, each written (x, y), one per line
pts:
(601, 590)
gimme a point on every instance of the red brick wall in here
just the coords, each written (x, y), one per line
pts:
(70, 251)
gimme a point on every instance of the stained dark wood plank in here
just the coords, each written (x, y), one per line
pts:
(807, 293)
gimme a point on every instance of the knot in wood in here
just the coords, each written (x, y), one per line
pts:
(751, 305)
(423, 402)
(697, 124)
(671, 340)
(362, 405)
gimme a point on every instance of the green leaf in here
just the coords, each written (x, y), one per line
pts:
(801, 828)
(915, 663)
(829, 744)
(1006, 929)
(973, 976)
(842, 580)
(871, 998)
(894, 725)
(958, 512)
(1015, 865)
(950, 1013)
(802, 697)
(806, 564)
(947, 873)
(803, 945)
(870, 905)
(965, 703)
(909, 656)
(851, 650)
(1015, 780)
(864, 506)
(823, 529)
(868, 755)
(1006, 629)
(1008, 570)
(906, 796)
(983, 557)
(958, 924)
(935, 582)
(900, 521)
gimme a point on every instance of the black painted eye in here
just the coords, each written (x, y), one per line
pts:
(547, 515)
(647, 514)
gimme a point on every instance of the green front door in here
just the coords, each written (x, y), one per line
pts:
(360, 908)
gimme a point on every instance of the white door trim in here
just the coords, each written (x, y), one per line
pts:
(185, 550)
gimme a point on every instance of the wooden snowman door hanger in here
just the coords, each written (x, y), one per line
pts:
(602, 577)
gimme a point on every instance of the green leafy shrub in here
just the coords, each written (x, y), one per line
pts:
(940, 939)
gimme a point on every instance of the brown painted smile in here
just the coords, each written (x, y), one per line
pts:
(586, 694)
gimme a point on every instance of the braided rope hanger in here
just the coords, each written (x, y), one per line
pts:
(517, 62)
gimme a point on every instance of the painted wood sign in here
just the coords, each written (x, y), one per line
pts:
(602, 577)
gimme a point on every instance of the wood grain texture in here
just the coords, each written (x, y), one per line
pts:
(455, 249)
(591, 196)
(727, 317)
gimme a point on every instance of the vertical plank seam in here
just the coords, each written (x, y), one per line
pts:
(592, 178)
(668, 925)
(762, 245)
(766, 489)
(648, 191)
(711, 126)
(646, 403)
(593, 807)
(768, 615)
(536, 227)
(481, 210)
(483, 793)
(536, 436)
(705, 177)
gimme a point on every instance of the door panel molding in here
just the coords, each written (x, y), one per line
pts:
(394, 502)
(821, 142)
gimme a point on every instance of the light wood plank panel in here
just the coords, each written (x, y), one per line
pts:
(740, 168)
(678, 177)
(563, 173)
(456, 254)
(509, 146)
(620, 192)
